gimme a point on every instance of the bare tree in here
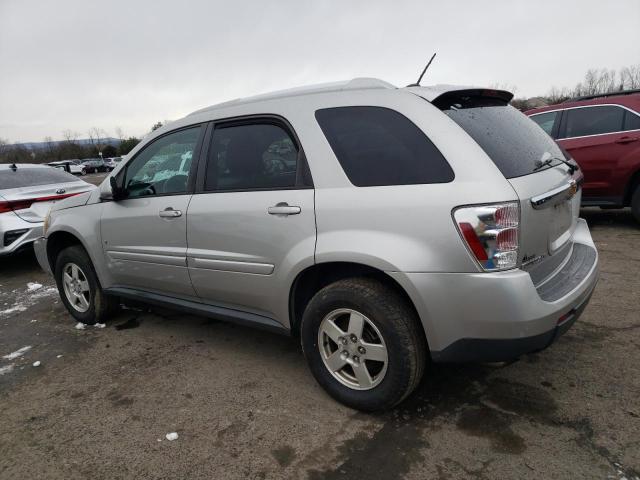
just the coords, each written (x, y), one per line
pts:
(97, 137)
(558, 95)
(630, 77)
(70, 136)
(4, 148)
(120, 133)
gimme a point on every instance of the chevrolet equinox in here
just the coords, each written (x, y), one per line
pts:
(384, 227)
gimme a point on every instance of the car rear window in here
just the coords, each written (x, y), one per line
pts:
(378, 146)
(29, 177)
(514, 142)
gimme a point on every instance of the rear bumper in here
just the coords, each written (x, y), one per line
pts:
(500, 350)
(40, 249)
(11, 223)
(499, 316)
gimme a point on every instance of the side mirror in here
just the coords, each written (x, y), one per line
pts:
(116, 192)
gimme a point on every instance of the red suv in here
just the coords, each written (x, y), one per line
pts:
(602, 133)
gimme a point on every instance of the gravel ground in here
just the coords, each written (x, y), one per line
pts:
(244, 404)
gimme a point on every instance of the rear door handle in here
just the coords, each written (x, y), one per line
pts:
(170, 213)
(626, 139)
(283, 208)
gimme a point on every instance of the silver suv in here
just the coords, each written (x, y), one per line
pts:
(384, 227)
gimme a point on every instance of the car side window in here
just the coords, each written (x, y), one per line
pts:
(164, 166)
(251, 156)
(379, 146)
(545, 120)
(631, 121)
(596, 120)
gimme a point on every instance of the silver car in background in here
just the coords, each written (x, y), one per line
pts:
(26, 193)
(384, 227)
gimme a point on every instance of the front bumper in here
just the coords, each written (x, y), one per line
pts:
(40, 249)
(500, 316)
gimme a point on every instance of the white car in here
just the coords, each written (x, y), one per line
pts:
(73, 167)
(27, 192)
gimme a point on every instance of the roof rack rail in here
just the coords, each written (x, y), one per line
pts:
(602, 95)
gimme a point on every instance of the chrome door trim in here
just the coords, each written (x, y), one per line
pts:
(231, 266)
(173, 260)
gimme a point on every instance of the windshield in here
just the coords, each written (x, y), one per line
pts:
(30, 177)
(515, 143)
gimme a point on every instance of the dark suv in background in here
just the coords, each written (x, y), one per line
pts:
(602, 133)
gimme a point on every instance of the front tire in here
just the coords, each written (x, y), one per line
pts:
(364, 343)
(635, 203)
(80, 289)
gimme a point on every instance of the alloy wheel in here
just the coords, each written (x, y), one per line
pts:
(352, 349)
(76, 287)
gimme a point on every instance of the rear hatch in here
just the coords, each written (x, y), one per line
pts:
(546, 181)
(30, 191)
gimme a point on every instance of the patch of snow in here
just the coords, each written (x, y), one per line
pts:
(23, 300)
(36, 363)
(15, 308)
(17, 353)
(6, 369)
(33, 321)
(80, 326)
(100, 325)
(171, 436)
(33, 286)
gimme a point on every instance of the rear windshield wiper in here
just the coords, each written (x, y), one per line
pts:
(548, 161)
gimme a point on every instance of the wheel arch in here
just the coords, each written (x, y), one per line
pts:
(632, 184)
(58, 241)
(315, 277)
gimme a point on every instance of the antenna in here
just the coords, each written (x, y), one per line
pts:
(417, 84)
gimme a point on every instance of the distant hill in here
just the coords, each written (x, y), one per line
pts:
(82, 141)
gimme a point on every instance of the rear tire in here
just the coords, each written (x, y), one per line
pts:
(391, 346)
(79, 288)
(635, 203)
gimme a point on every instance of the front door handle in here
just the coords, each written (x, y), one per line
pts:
(283, 208)
(626, 139)
(170, 213)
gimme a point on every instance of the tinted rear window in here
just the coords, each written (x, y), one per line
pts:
(28, 177)
(512, 140)
(378, 146)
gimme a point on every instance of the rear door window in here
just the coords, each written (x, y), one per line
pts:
(597, 120)
(511, 139)
(546, 120)
(253, 156)
(30, 177)
(378, 146)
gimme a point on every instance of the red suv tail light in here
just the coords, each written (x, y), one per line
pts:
(491, 233)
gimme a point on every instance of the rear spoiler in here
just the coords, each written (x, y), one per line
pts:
(465, 97)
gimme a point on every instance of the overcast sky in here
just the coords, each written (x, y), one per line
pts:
(75, 64)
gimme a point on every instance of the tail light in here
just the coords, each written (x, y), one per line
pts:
(22, 204)
(491, 233)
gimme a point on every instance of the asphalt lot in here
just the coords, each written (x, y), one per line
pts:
(245, 405)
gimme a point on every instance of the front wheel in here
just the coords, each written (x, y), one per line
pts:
(364, 343)
(79, 287)
(635, 203)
